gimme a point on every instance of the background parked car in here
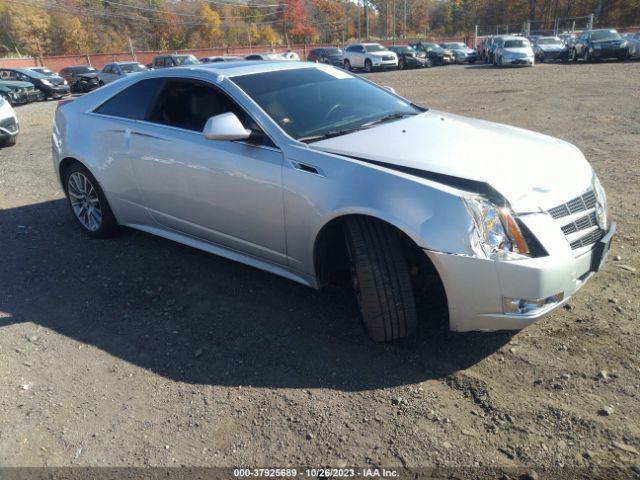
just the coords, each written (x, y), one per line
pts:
(18, 93)
(568, 38)
(600, 44)
(550, 48)
(81, 78)
(9, 127)
(369, 56)
(331, 55)
(634, 44)
(221, 58)
(483, 47)
(167, 61)
(434, 52)
(265, 56)
(461, 52)
(114, 71)
(513, 51)
(496, 41)
(51, 87)
(408, 57)
(44, 71)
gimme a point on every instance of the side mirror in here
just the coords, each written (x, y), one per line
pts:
(225, 126)
(390, 89)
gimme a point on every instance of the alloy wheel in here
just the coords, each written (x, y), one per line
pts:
(84, 201)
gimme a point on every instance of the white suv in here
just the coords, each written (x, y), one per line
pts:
(369, 56)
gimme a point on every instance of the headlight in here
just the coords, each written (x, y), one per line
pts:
(64, 82)
(46, 82)
(624, 43)
(601, 204)
(496, 233)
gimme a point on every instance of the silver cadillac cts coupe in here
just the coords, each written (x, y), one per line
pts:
(308, 171)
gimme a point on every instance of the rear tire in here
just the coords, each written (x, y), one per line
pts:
(381, 280)
(88, 203)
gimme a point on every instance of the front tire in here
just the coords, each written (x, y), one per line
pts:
(9, 142)
(368, 67)
(347, 65)
(401, 64)
(88, 203)
(381, 280)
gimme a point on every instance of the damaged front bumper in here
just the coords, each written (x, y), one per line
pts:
(487, 295)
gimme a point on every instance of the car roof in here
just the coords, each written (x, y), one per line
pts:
(124, 63)
(235, 68)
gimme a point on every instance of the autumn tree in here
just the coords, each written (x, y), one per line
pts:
(298, 27)
(208, 33)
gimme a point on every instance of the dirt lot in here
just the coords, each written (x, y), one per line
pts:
(138, 351)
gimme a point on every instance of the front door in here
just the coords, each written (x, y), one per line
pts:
(226, 192)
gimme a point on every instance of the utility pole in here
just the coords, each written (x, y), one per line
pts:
(404, 23)
(133, 53)
(394, 21)
(359, 15)
(366, 19)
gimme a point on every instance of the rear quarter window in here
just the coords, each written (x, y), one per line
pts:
(134, 101)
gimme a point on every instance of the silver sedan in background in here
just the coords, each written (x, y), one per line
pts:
(308, 171)
(116, 70)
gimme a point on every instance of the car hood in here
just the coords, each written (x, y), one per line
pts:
(16, 84)
(382, 53)
(87, 75)
(531, 170)
(551, 48)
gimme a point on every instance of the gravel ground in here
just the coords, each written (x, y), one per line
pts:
(139, 351)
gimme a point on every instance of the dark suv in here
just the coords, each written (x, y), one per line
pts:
(600, 45)
(434, 52)
(81, 78)
(330, 55)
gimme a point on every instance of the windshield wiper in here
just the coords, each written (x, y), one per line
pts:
(337, 133)
(388, 118)
(329, 134)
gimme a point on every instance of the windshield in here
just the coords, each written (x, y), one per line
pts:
(605, 35)
(549, 41)
(404, 49)
(132, 67)
(515, 44)
(309, 103)
(332, 51)
(455, 46)
(83, 70)
(32, 74)
(374, 48)
(186, 60)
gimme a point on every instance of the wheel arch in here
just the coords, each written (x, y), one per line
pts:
(329, 250)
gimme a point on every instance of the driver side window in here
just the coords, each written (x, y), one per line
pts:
(188, 104)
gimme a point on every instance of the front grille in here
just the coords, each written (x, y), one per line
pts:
(584, 203)
(588, 239)
(582, 223)
(578, 204)
(387, 58)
